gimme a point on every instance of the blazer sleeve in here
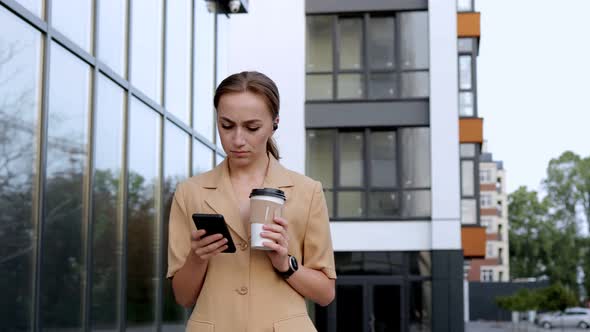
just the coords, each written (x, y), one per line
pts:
(179, 228)
(318, 252)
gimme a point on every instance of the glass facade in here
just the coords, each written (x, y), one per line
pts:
(104, 107)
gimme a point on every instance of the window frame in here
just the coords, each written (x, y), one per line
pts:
(366, 188)
(366, 71)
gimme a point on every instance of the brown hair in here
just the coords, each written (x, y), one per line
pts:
(259, 84)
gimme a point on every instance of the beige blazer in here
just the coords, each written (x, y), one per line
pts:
(241, 291)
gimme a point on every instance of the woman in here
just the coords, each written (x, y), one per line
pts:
(250, 290)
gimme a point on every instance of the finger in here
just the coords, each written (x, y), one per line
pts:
(207, 240)
(273, 228)
(275, 247)
(281, 221)
(215, 253)
(277, 237)
(210, 249)
(196, 235)
(206, 245)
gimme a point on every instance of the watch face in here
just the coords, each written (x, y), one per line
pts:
(293, 263)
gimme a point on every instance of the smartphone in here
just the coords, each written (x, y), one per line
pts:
(215, 224)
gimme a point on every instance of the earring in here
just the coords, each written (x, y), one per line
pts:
(275, 126)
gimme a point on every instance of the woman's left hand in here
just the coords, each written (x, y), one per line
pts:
(279, 243)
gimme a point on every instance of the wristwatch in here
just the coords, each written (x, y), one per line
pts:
(293, 266)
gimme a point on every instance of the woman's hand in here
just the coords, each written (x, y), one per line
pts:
(206, 247)
(279, 243)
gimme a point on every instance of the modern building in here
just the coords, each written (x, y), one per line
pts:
(494, 217)
(108, 106)
(104, 107)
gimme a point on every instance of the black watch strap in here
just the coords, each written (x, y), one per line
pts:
(293, 266)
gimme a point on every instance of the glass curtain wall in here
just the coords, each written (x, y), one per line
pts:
(105, 106)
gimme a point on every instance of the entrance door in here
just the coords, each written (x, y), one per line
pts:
(365, 304)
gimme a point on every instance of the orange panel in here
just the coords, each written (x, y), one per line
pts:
(487, 187)
(473, 240)
(489, 212)
(468, 25)
(471, 130)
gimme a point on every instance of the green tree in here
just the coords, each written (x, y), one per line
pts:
(527, 233)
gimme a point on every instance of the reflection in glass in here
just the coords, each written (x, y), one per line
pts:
(464, 5)
(465, 45)
(350, 86)
(146, 48)
(383, 204)
(369, 263)
(467, 178)
(349, 306)
(112, 35)
(203, 71)
(465, 72)
(35, 6)
(63, 260)
(74, 20)
(381, 42)
(176, 160)
(219, 159)
(351, 159)
(467, 150)
(420, 263)
(351, 43)
(386, 308)
(202, 158)
(468, 211)
(414, 40)
(382, 85)
(320, 161)
(329, 194)
(350, 204)
(466, 104)
(319, 43)
(420, 310)
(383, 159)
(415, 157)
(106, 222)
(178, 58)
(416, 204)
(415, 84)
(318, 87)
(20, 86)
(142, 224)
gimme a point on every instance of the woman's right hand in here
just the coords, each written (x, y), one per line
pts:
(206, 247)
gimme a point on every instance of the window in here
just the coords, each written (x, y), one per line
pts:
(488, 222)
(391, 63)
(372, 174)
(485, 175)
(486, 201)
(500, 276)
(464, 5)
(467, 48)
(487, 275)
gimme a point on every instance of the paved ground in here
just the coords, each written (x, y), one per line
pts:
(509, 327)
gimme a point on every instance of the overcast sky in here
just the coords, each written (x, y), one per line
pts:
(534, 83)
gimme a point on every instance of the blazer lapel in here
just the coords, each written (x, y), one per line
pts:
(223, 201)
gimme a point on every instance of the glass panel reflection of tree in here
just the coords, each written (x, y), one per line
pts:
(142, 225)
(20, 84)
(63, 260)
(106, 221)
(175, 170)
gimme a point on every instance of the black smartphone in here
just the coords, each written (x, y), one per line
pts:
(215, 224)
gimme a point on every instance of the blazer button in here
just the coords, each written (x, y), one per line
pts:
(242, 290)
(243, 246)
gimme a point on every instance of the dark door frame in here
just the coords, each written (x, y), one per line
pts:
(367, 282)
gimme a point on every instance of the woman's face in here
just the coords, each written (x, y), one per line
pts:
(245, 125)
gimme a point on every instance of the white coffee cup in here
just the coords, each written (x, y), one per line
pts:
(265, 205)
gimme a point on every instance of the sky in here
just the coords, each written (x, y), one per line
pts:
(533, 83)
